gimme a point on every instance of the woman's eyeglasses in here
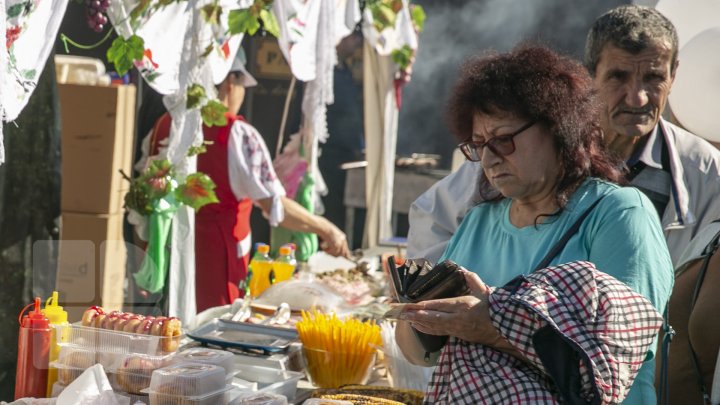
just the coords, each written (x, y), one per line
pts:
(502, 145)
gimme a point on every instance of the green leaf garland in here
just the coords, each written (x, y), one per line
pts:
(124, 52)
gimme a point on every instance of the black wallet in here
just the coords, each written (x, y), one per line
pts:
(418, 280)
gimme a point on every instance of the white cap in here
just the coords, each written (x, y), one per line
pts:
(238, 65)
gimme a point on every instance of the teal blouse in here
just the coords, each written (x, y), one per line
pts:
(621, 236)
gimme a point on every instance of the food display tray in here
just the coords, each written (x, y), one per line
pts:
(244, 336)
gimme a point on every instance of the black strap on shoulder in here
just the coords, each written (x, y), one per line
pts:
(634, 170)
(560, 245)
(708, 252)
(668, 335)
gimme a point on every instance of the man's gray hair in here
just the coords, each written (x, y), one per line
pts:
(631, 28)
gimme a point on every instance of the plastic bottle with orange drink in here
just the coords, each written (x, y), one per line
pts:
(261, 266)
(285, 264)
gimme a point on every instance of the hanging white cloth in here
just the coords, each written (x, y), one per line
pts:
(347, 17)
(175, 38)
(3, 77)
(298, 20)
(381, 119)
(29, 28)
(309, 32)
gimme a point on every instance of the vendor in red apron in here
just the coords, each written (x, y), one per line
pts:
(239, 163)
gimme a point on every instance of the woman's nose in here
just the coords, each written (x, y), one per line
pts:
(488, 157)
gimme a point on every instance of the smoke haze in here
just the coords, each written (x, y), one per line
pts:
(457, 29)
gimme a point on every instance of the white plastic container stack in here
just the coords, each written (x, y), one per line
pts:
(203, 355)
(188, 384)
(128, 359)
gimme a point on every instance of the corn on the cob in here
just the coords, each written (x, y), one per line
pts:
(360, 399)
(398, 395)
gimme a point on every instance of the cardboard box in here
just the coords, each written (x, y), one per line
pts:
(98, 128)
(91, 262)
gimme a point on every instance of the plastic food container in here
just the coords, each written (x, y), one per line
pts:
(202, 355)
(213, 398)
(270, 380)
(111, 341)
(328, 369)
(72, 362)
(134, 372)
(187, 383)
(135, 399)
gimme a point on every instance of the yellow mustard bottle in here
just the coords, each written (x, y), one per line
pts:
(58, 322)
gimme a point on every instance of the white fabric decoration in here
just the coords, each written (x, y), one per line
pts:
(175, 38)
(29, 28)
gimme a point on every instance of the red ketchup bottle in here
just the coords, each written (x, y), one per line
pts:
(33, 354)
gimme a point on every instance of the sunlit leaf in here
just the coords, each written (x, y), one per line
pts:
(213, 113)
(383, 16)
(402, 57)
(197, 191)
(155, 181)
(159, 168)
(202, 148)
(417, 14)
(139, 9)
(196, 150)
(242, 21)
(195, 95)
(211, 13)
(124, 52)
(270, 23)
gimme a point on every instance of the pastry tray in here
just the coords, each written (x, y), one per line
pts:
(244, 335)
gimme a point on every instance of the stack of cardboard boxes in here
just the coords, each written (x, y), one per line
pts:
(98, 127)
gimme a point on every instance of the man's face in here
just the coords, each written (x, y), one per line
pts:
(633, 88)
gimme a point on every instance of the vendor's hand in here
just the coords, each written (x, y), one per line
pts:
(466, 317)
(334, 242)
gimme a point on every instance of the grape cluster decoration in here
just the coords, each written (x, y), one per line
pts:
(95, 14)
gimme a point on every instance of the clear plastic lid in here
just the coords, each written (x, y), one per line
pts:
(257, 398)
(188, 379)
(76, 357)
(213, 398)
(202, 355)
(72, 362)
(266, 376)
(112, 341)
(133, 361)
(133, 373)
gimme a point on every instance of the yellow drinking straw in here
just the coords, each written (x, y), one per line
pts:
(338, 352)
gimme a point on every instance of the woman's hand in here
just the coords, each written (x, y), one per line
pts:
(466, 317)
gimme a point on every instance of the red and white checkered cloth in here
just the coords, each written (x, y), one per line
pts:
(584, 334)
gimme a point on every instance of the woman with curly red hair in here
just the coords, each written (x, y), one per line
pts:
(531, 118)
